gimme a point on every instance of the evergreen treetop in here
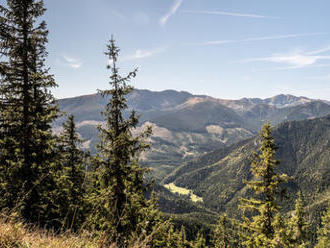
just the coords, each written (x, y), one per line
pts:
(266, 185)
(122, 207)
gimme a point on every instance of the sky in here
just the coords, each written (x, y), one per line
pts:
(226, 49)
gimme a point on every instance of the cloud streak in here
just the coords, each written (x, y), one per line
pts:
(321, 50)
(72, 62)
(225, 13)
(174, 8)
(294, 60)
(263, 38)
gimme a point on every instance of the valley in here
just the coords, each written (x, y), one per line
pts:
(200, 146)
(186, 126)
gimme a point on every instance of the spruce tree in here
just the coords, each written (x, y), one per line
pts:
(282, 235)
(27, 112)
(323, 234)
(71, 177)
(259, 230)
(299, 226)
(224, 235)
(120, 208)
(200, 241)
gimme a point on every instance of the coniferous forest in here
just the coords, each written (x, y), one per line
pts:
(55, 193)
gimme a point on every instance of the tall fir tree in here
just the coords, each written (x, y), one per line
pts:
(72, 177)
(259, 231)
(27, 111)
(120, 208)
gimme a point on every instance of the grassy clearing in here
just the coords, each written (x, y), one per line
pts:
(183, 191)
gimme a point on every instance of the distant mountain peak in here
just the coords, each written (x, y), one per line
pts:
(287, 100)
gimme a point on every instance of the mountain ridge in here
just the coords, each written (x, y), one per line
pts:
(304, 152)
(186, 125)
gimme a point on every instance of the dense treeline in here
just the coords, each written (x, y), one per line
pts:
(44, 178)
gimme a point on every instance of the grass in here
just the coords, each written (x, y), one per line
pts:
(183, 191)
(18, 235)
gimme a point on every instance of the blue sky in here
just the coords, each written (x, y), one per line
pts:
(227, 49)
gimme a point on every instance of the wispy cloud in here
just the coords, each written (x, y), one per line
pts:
(176, 5)
(225, 13)
(321, 50)
(142, 54)
(277, 37)
(72, 62)
(294, 60)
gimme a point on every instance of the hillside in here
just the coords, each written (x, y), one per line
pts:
(304, 152)
(186, 126)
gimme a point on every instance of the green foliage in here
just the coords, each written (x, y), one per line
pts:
(119, 206)
(72, 177)
(324, 231)
(225, 234)
(259, 230)
(27, 110)
(304, 152)
(169, 237)
(200, 241)
(298, 226)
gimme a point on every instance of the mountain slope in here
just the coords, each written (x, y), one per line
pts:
(304, 151)
(185, 125)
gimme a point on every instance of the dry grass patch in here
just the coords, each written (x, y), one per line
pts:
(18, 235)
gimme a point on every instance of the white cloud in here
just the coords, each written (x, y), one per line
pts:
(321, 50)
(176, 5)
(141, 54)
(227, 14)
(277, 37)
(280, 37)
(294, 60)
(72, 62)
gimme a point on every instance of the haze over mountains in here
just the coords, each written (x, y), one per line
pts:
(186, 125)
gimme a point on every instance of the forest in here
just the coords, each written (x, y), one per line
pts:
(54, 193)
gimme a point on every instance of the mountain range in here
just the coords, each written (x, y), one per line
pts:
(186, 126)
(201, 146)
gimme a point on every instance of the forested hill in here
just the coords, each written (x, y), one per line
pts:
(187, 125)
(304, 151)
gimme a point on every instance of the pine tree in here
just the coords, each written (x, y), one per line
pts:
(119, 203)
(27, 112)
(282, 235)
(71, 177)
(260, 228)
(200, 241)
(299, 226)
(323, 238)
(224, 233)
